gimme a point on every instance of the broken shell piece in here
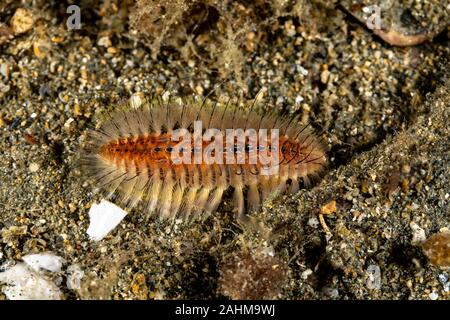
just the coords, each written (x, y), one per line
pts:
(392, 34)
(104, 217)
(24, 284)
(74, 276)
(46, 260)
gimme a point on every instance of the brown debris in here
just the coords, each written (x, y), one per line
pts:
(6, 33)
(252, 276)
(437, 249)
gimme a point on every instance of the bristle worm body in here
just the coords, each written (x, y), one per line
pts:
(179, 159)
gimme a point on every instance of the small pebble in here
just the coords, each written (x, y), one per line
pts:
(313, 222)
(374, 280)
(406, 168)
(5, 69)
(333, 293)
(104, 42)
(34, 167)
(418, 234)
(324, 76)
(433, 296)
(137, 99)
(70, 125)
(22, 21)
(329, 208)
(306, 274)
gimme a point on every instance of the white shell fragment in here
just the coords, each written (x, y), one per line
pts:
(374, 277)
(47, 261)
(74, 277)
(25, 284)
(104, 217)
